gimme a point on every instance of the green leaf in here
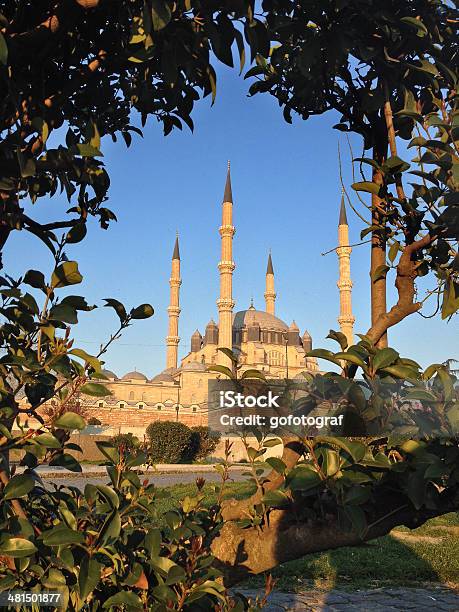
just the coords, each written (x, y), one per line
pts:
(93, 361)
(89, 576)
(385, 357)
(70, 420)
(152, 542)
(17, 547)
(18, 486)
(356, 516)
(66, 274)
(253, 374)
(144, 311)
(87, 150)
(356, 450)
(3, 50)
(61, 535)
(367, 187)
(109, 451)
(118, 307)
(352, 358)
(35, 279)
(380, 272)
(323, 354)
(76, 233)
(416, 24)
(339, 337)
(66, 461)
(400, 371)
(48, 440)
(222, 369)
(229, 353)
(303, 478)
(127, 598)
(276, 499)
(161, 14)
(95, 389)
(277, 464)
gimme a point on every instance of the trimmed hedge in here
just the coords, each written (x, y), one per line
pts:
(175, 442)
(169, 442)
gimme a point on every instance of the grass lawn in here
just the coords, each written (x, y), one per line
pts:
(405, 557)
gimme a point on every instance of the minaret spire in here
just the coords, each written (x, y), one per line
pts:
(346, 319)
(172, 338)
(226, 266)
(270, 294)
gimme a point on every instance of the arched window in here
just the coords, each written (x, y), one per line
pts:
(131, 395)
(200, 383)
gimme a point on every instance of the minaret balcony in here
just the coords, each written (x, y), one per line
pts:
(226, 266)
(345, 284)
(171, 340)
(225, 304)
(174, 310)
(227, 230)
(175, 282)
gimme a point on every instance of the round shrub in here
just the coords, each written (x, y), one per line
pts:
(203, 442)
(94, 421)
(169, 442)
(127, 441)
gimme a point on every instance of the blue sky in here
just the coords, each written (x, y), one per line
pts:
(286, 197)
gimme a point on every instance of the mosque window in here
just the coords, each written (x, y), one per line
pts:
(275, 358)
(141, 405)
(200, 383)
(122, 405)
(131, 395)
(100, 404)
(195, 409)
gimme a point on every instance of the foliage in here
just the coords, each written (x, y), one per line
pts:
(103, 547)
(72, 73)
(390, 69)
(169, 442)
(203, 442)
(409, 456)
(125, 442)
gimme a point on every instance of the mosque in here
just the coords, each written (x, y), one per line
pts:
(258, 339)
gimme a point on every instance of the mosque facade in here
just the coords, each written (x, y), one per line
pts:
(257, 339)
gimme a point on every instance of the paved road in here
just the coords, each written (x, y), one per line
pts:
(375, 600)
(161, 480)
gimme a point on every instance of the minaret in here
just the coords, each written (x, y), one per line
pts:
(226, 267)
(172, 339)
(270, 294)
(346, 320)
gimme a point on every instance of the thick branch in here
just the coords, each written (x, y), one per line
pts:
(241, 552)
(405, 284)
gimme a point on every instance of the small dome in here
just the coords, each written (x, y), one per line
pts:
(109, 374)
(194, 366)
(165, 376)
(196, 334)
(134, 376)
(294, 327)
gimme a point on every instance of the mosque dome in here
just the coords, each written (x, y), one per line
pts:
(250, 317)
(134, 376)
(194, 366)
(164, 376)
